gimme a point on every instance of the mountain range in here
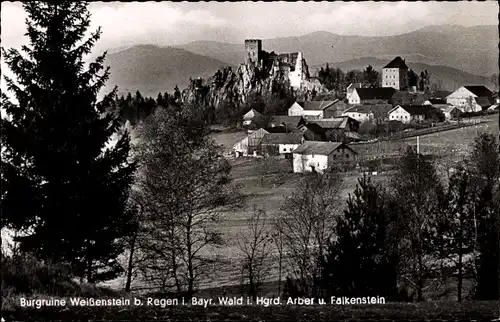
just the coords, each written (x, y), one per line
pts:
(454, 54)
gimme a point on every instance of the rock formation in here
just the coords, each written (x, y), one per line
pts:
(261, 74)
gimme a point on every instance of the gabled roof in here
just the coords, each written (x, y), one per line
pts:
(397, 62)
(450, 108)
(290, 121)
(248, 115)
(376, 109)
(483, 101)
(479, 90)
(316, 105)
(321, 148)
(282, 138)
(333, 123)
(441, 94)
(413, 109)
(437, 100)
(383, 93)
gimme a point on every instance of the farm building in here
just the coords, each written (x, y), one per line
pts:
(471, 98)
(313, 132)
(317, 109)
(289, 123)
(280, 143)
(407, 114)
(313, 156)
(451, 112)
(345, 123)
(352, 86)
(250, 116)
(368, 112)
(372, 95)
(249, 145)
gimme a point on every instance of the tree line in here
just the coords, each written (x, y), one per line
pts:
(74, 198)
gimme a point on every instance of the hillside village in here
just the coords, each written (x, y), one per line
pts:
(317, 134)
(267, 191)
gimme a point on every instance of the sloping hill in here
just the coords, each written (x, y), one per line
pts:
(451, 78)
(472, 49)
(152, 69)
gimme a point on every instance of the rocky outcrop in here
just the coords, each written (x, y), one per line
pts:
(229, 86)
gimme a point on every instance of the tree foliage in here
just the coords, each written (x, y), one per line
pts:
(358, 263)
(186, 182)
(63, 187)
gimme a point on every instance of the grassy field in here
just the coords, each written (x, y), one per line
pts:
(454, 142)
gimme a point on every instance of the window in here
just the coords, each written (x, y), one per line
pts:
(347, 156)
(334, 156)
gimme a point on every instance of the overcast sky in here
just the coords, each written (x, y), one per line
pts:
(170, 23)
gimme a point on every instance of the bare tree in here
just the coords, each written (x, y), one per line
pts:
(277, 236)
(308, 218)
(418, 195)
(255, 246)
(187, 183)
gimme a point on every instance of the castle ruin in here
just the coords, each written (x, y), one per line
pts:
(292, 65)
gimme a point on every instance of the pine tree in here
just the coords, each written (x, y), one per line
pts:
(60, 186)
(358, 263)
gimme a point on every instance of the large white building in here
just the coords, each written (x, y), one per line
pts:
(395, 74)
(313, 156)
(471, 98)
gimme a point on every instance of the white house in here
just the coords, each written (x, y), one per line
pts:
(281, 143)
(407, 114)
(319, 156)
(368, 112)
(471, 98)
(361, 113)
(371, 95)
(249, 145)
(249, 116)
(450, 112)
(316, 109)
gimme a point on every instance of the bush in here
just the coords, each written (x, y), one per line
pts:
(26, 275)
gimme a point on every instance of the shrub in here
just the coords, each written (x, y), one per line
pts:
(26, 275)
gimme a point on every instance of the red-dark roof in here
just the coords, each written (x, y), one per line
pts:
(416, 109)
(383, 93)
(282, 138)
(316, 105)
(479, 90)
(397, 62)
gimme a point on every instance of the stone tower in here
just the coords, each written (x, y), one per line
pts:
(253, 49)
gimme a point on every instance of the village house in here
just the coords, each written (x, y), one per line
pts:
(280, 143)
(471, 98)
(371, 95)
(345, 123)
(250, 116)
(250, 144)
(395, 74)
(368, 112)
(316, 109)
(352, 86)
(312, 156)
(287, 123)
(450, 112)
(313, 132)
(408, 113)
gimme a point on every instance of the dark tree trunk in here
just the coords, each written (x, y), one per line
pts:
(130, 263)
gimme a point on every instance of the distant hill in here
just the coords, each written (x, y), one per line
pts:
(472, 49)
(152, 69)
(451, 78)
